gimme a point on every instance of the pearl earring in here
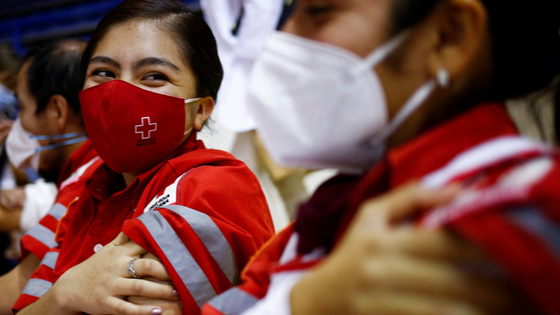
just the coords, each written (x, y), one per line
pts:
(443, 78)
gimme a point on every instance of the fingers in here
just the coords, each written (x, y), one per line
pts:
(133, 249)
(126, 308)
(398, 303)
(147, 267)
(128, 246)
(168, 307)
(119, 240)
(429, 244)
(415, 276)
(148, 289)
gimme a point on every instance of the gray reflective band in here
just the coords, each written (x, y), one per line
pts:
(212, 237)
(50, 259)
(233, 302)
(535, 222)
(36, 287)
(43, 235)
(179, 256)
(58, 211)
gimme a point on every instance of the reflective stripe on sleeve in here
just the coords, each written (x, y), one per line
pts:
(57, 211)
(212, 237)
(179, 256)
(233, 301)
(43, 235)
(36, 287)
(50, 259)
(531, 219)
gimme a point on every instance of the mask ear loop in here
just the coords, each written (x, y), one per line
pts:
(61, 144)
(443, 80)
(58, 137)
(417, 99)
(381, 53)
(190, 100)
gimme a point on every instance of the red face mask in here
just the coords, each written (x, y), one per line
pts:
(130, 127)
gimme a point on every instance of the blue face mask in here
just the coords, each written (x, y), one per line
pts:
(23, 147)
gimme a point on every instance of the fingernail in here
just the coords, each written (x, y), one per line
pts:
(156, 311)
(175, 293)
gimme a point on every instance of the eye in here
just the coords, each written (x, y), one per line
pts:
(156, 77)
(318, 9)
(103, 73)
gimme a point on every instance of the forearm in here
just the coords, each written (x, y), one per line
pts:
(10, 289)
(12, 283)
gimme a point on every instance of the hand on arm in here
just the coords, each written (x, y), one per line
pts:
(100, 284)
(381, 267)
(168, 307)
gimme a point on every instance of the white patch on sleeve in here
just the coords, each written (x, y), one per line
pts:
(527, 174)
(78, 173)
(482, 156)
(168, 197)
(277, 299)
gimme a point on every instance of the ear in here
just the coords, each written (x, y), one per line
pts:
(205, 109)
(58, 111)
(461, 28)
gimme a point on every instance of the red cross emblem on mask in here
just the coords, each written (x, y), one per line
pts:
(146, 127)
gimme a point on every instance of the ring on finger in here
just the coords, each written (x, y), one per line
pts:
(131, 270)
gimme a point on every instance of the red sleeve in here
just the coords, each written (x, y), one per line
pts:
(524, 239)
(41, 238)
(217, 223)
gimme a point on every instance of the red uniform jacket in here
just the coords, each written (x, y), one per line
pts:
(41, 238)
(202, 212)
(510, 207)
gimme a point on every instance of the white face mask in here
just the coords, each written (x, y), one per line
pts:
(23, 147)
(320, 106)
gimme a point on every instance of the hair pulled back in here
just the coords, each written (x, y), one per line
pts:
(525, 39)
(55, 70)
(189, 30)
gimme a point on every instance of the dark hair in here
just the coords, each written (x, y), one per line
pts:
(55, 70)
(525, 39)
(10, 63)
(188, 29)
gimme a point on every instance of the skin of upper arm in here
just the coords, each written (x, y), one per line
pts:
(12, 283)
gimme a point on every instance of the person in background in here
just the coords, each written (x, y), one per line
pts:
(48, 135)
(194, 216)
(9, 66)
(394, 91)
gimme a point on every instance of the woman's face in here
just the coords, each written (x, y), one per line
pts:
(453, 37)
(355, 25)
(142, 54)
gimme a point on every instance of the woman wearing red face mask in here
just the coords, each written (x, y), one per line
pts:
(151, 77)
(393, 91)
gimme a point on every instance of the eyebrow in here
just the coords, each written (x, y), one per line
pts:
(103, 59)
(153, 61)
